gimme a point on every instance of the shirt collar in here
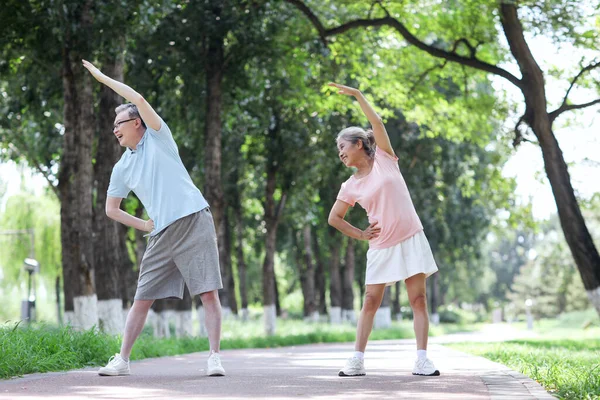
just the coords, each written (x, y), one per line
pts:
(140, 143)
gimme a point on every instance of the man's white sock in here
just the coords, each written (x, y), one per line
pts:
(421, 354)
(359, 354)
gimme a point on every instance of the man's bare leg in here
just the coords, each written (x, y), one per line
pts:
(212, 315)
(136, 318)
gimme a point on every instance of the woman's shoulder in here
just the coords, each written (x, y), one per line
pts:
(382, 154)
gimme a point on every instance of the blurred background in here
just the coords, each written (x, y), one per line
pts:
(490, 153)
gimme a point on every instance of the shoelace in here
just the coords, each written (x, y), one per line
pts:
(354, 362)
(215, 359)
(111, 361)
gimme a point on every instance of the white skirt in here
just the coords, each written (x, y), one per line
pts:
(397, 263)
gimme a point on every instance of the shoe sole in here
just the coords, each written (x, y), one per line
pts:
(436, 373)
(108, 374)
(341, 373)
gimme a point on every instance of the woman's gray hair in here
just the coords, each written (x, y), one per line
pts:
(132, 111)
(354, 134)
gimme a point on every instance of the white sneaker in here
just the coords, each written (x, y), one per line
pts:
(354, 367)
(116, 366)
(425, 367)
(214, 365)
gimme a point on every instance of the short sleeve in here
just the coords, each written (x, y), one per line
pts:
(345, 194)
(117, 187)
(385, 155)
(164, 135)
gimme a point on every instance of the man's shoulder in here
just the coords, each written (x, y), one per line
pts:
(119, 165)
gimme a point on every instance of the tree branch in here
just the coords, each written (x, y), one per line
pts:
(567, 107)
(409, 37)
(312, 18)
(424, 75)
(519, 136)
(29, 156)
(465, 41)
(574, 80)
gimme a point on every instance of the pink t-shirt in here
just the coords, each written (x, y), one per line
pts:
(384, 195)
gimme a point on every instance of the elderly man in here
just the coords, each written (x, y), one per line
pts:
(182, 248)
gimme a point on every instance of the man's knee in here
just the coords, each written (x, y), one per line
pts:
(142, 306)
(210, 298)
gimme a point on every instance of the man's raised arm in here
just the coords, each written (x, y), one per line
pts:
(150, 117)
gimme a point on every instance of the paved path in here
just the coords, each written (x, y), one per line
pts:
(308, 372)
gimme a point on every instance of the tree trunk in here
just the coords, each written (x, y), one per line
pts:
(213, 188)
(108, 236)
(537, 117)
(241, 263)
(183, 316)
(433, 299)
(307, 274)
(277, 301)
(383, 317)
(163, 313)
(270, 311)
(396, 310)
(227, 272)
(335, 280)
(76, 177)
(348, 313)
(129, 273)
(320, 279)
(272, 215)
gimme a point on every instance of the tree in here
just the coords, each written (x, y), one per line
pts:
(465, 34)
(27, 221)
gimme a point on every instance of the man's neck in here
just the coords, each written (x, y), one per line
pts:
(140, 135)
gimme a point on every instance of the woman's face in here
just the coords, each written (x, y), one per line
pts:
(349, 152)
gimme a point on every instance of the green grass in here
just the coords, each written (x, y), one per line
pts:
(572, 325)
(25, 350)
(568, 368)
(564, 355)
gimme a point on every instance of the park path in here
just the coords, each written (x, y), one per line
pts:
(308, 372)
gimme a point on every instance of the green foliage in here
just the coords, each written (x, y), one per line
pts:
(566, 368)
(550, 279)
(40, 215)
(445, 120)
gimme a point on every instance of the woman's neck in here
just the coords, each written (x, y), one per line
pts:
(364, 167)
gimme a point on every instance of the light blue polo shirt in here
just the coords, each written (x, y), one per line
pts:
(155, 173)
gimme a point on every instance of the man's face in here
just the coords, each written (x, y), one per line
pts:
(125, 129)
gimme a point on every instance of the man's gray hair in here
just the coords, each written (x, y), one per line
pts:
(132, 111)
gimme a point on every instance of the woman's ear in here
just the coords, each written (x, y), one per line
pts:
(359, 144)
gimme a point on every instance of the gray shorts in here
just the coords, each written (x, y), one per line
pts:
(185, 252)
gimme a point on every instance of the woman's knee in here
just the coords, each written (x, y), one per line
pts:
(371, 303)
(418, 302)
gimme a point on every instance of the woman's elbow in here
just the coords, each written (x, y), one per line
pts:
(332, 220)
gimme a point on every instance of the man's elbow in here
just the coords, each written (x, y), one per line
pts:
(110, 212)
